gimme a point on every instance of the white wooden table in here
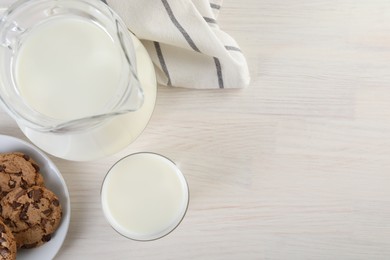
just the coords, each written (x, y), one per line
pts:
(296, 166)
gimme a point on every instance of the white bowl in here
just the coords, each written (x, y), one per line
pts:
(55, 182)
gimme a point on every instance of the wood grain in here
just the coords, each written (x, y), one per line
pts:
(296, 166)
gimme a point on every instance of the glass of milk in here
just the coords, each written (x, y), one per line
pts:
(66, 65)
(144, 196)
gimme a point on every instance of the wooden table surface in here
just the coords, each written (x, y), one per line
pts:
(296, 166)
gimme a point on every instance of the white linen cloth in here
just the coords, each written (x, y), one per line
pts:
(185, 42)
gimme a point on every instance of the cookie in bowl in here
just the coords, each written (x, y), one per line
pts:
(32, 214)
(7, 243)
(18, 170)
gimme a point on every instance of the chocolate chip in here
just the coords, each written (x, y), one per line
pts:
(35, 205)
(23, 184)
(47, 212)
(55, 202)
(11, 184)
(26, 157)
(46, 238)
(36, 167)
(28, 246)
(23, 216)
(2, 168)
(2, 228)
(36, 195)
(43, 222)
(15, 204)
(23, 213)
(4, 252)
(20, 194)
(9, 223)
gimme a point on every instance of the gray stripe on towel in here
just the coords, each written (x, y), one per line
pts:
(215, 6)
(210, 20)
(232, 48)
(178, 26)
(219, 72)
(162, 62)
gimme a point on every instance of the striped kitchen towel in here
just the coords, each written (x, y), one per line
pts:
(185, 42)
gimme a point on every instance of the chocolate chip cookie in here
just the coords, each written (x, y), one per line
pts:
(18, 170)
(32, 214)
(7, 243)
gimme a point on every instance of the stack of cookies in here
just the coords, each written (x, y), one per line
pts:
(29, 212)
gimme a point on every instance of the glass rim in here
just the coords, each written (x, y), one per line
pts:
(170, 228)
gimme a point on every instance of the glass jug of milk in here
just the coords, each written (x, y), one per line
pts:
(67, 69)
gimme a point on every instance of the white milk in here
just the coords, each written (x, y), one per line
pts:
(68, 68)
(144, 196)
